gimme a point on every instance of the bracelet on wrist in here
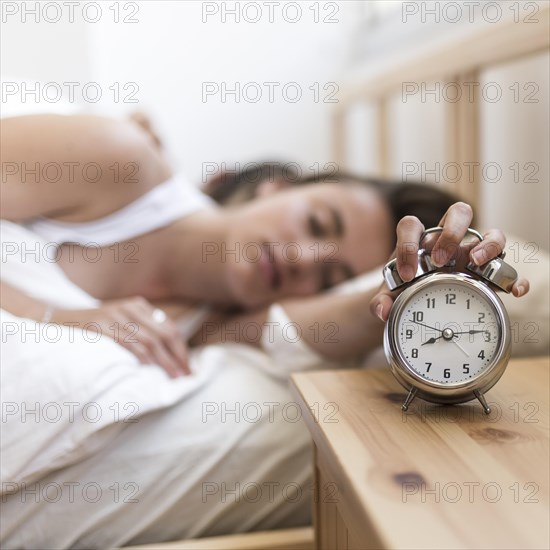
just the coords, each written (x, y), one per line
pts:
(48, 314)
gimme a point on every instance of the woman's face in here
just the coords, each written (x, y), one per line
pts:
(300, 241)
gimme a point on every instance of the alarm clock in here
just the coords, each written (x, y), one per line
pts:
(447, 338)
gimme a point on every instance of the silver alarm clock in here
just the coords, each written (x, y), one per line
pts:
(447, 338)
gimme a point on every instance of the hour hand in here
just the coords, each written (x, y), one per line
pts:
(431, 340)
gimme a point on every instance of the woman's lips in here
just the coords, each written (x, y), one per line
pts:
(269, 269)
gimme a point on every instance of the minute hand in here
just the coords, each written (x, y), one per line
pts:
(428, 326)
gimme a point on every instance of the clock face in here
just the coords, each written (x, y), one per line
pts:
(448, 332)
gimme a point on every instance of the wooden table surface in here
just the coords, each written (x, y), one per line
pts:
(436, 477)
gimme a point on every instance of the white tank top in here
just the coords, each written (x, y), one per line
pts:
(159, 207)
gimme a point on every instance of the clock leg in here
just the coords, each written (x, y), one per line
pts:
(483, 401)
(409, 400)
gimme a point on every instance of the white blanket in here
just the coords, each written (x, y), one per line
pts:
(80, 414)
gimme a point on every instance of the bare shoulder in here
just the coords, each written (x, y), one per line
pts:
(75, 167)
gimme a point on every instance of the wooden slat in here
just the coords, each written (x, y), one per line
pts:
(316, 505)
(463, 141)
(284, 539)
(378, 456)
(341, 531)
(383, 141)
(339, 136)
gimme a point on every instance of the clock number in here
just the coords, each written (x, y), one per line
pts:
(481, 354)
(415, 353)
(429, 365)
(468, 303)
(487, 336)
(409, 333)
(447, 373)
(481, 317)
(450, 298)
(430, 303)
(466, 368)
(418, 316)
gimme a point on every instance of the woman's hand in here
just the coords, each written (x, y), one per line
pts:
(455, 222)
(131, 323)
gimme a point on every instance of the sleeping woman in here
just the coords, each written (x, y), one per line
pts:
(166, 273)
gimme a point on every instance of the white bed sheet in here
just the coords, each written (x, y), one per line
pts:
(173, 459)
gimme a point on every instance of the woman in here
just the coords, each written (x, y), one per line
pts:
(246, 255)
(134, 239)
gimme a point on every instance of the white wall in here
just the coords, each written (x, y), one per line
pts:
(167, 55)
(172, 52)
(33, 48)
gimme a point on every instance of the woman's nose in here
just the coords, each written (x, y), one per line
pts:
(307, 264)
(305, 256)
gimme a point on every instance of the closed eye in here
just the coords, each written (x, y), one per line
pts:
(316, 228)
(329, 224)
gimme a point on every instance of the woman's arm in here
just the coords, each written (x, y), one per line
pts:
(338, 327)
(130, 322)
(21, 305)
(75, 168)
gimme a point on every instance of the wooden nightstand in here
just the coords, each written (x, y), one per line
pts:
(433, 477)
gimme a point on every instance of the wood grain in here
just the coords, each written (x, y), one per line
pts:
(434, 477)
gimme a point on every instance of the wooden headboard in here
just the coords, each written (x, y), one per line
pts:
(459, 59)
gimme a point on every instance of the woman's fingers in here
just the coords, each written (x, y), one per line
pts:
(139, 350)
(182, 352)
(455, 222)
(490, 247)
(521, 287)
(166, 338)
(165, 343)
(409, 230)
(165, 359)
(382, 302)
(150, 350)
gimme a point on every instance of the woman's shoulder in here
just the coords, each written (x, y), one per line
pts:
(82, 166)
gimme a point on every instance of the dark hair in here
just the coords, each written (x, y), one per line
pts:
(426, 202)
(238, 186)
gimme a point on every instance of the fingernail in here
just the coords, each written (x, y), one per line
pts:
(439, 257)
(407, 273)
(379, 311)
(521, 291)
(479, 257)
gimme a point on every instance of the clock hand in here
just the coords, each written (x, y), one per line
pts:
(461, 348)
(432, 340)
(427, 326)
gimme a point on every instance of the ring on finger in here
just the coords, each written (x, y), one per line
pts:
(159, 316)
